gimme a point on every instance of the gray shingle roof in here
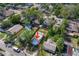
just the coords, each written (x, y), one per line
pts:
(50, 45)
(15, 29)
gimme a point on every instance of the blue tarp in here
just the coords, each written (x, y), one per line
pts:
(35, 42)
(29, 27)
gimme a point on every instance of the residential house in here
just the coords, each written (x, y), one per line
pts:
(71, 51)
(71, 48)
(46, 23)
(15, 29)
(37, 38)
(50, 46)
(68, 48)
(49, 20)
(58, 22)
(73, 28)
(35, 23)
(7, 12)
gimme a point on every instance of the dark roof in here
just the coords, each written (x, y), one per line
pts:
(1, 16)
(1, 30)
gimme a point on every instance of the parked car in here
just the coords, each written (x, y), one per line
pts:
(16, 49)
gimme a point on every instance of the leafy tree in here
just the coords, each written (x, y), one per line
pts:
(7, 39)
(6, 24)
(76, 11)
(78, 41)
(45, 6)
(58, 30)
(15, 18)
(3, 4)
(33, 12)
(62, 28)
(60, 44)
(26, 21)
(58, 35)
(25, 37)
(52, 31)
(64, 12)
(57, 9)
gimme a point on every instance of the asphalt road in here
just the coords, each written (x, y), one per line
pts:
(9, 51)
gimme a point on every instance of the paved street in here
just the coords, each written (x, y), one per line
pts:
(9, 51)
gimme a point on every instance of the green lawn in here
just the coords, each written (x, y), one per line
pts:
(43, 30)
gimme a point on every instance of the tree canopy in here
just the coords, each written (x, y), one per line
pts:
(33, 12)
(15, 18)
(25, 37)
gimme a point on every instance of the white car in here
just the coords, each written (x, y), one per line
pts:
(16, 49)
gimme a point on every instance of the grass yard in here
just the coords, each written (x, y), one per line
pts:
(20, 32)
(15, 37)
(43, 31)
